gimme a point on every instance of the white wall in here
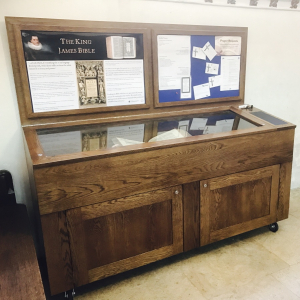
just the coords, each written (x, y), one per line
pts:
(273, 61)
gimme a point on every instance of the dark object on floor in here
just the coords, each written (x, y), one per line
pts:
(273, 227)
(7, 195)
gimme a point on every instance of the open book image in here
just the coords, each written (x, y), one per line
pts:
(169, 135)
(119, 47)
(124, 142)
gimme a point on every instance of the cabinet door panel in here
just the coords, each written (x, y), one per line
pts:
(239, 202)
(128, 233)
(111, 237)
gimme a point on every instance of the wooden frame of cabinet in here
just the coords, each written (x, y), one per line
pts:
(257, 160)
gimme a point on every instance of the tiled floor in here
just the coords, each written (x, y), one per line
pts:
(256, 265)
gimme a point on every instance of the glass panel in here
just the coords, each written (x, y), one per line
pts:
(66, 140)
(268, 118)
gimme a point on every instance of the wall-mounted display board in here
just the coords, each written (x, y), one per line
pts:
(73, 70)
(77, 71)
(205, 67)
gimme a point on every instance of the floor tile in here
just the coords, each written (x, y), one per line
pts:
(285, 243)
(263, 288)
(295, 214)
(258, 265)
(166, 282)
(225, 269)
(290, 277)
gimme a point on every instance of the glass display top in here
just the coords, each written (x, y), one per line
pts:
(82, 138)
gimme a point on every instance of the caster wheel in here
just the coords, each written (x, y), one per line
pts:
(70, 295)
(273, 227)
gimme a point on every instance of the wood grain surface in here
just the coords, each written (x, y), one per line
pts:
(58, 254)
(238, 202)
(20, 276)
(191, 216)
(78, 184)
(284, 191)
(106, 241)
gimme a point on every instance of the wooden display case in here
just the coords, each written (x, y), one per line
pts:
(118, 208)
(120, 188)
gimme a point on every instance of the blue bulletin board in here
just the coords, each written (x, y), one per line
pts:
(199, 76)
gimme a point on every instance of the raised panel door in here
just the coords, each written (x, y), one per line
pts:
(122, 234)
(236, 203)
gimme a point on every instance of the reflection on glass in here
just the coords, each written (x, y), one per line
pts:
(125, 135)
(58, 141)
(93, 140)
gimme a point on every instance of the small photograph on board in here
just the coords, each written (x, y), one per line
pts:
(228, 45)
(119, 47)
(186, 84)
(253, 3)
(36, 47)
(273, 3)
(209, 51)
(91, 83)
(198, 53)
(294, 4)
(212, 69)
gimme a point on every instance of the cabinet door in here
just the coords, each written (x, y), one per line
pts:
(119, 235)
(230, 205)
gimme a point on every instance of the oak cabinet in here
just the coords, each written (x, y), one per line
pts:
(111, 209)
(113, 236)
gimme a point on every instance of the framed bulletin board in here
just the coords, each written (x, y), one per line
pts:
(192, 67)
(71, 71)
(78, 68)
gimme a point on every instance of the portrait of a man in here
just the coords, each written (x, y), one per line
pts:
(34, 49)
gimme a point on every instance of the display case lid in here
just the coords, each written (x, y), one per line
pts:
(69, 71)
(54, 145)
(83, 138)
